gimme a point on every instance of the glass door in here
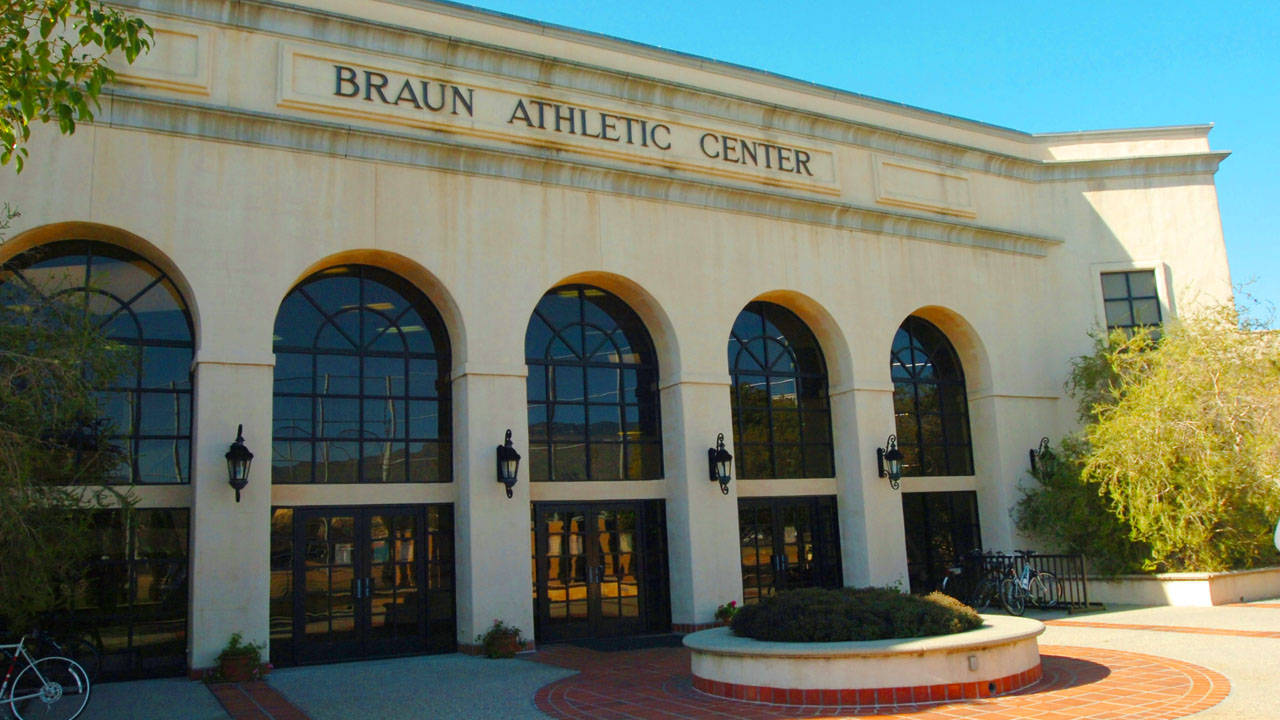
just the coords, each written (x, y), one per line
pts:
(327, 577)
(788, 542)
(361, 582)
(590, 571)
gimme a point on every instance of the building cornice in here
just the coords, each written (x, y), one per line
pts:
(449, 153)
(310, 24)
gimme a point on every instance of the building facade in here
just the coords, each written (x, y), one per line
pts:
(381, 235)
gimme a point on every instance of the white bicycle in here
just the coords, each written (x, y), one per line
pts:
(48, 688)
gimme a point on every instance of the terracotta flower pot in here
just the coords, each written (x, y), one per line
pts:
(503, 646)
(236, 668)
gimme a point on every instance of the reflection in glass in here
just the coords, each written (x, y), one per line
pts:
(359, 357)
(1130, 299)
(592, 389)
(778, 395)
(134, 594)
(930, 407)
(135, 304)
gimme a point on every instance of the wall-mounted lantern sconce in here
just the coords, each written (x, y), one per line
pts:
(508, 464)
(1038, 454)
(889, 461)
(720, 463)
(238, 460)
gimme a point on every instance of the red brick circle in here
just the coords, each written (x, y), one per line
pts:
(1077, 683)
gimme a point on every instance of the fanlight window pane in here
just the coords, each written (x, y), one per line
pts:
(134, 303)
(930, 408)
(593, 401)
(364, 351)
(777, 367)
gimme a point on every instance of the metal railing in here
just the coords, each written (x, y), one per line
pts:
(1073, 589)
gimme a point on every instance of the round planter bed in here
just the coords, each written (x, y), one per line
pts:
(997, 658)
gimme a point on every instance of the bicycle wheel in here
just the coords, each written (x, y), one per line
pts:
(1043, 590)
(1013, 597)
(62, 687)
(85, 654)
(983, 593)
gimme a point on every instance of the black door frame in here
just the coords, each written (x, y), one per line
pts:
(924, 533)
(826, 565)
(649, 567)
(301, 649)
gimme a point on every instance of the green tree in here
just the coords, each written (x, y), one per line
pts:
(53, 447)
(52, 64)
(1181, 444)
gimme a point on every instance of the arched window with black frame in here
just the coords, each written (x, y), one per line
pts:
(592, 389)
(361, 382)
(778, 394)
(148, 406)
(930, 406)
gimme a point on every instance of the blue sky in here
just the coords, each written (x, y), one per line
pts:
(1035, 67)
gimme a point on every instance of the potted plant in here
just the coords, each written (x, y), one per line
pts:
(240, 661)
(725, 613)
(501, 640)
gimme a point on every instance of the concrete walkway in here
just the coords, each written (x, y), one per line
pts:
(1238, 643)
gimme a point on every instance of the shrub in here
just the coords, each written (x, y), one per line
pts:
(1176, 466)
(821, 615)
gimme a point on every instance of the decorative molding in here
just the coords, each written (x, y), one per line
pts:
(922, 187)
(180, 59)
(313, 25)
(447, 152)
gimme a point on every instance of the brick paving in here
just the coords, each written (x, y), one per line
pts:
(254, 701)
(1272, 634)
(656, 684)
(1076, 683)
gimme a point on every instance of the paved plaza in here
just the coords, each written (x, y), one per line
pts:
(1122, 663)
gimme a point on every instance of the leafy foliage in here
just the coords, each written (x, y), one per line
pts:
(52, 359)
(1073, 516)
(52, 64)
(501, 640)
(1181, 443)
(823, 615)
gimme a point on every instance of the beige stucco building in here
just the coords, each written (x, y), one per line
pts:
(347, 213)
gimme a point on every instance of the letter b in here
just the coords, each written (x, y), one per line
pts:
(345, 76)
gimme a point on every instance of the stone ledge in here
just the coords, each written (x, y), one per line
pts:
(996, 630)
(1000, 657)
(1187, 589)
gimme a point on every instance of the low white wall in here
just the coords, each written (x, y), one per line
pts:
(1187, 589)
(1002, 647)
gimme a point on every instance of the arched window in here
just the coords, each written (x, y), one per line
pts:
(136, 304)
(361, 382)
(781, 413)
(930, 407)
(593, 389)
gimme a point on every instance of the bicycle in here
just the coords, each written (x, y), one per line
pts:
(47, 688)
(71, 645)
(1030, 584)
(980, 592)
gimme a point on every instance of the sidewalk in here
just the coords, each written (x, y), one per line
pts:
(1124, 663)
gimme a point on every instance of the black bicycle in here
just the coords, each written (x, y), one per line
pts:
(67, 643)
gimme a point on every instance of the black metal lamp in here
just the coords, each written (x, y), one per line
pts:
(720, 462)
(889, 461)
(238, 460)
(1038, 454)
(508, 464)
